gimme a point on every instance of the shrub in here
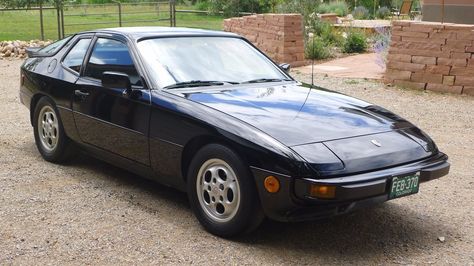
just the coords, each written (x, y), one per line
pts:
(383, 12)
(369, 4)
(317, 48)
(360, 12)
(382, 44)
(356, 42)
(398, 3)
(324, 8)
(303, 7)
(202, 5)
(340, 8)
(231, 8)
(326, 32)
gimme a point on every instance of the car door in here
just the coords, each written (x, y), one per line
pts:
(115, 120)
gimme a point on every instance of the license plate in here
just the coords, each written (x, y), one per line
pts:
(404, 185)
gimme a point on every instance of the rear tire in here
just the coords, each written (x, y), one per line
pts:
(222, 192)
(51, 141)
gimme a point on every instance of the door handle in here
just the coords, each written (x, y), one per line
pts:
(127, 92)
(81, 94)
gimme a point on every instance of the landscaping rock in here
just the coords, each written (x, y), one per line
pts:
(10, 47)
(17, 49)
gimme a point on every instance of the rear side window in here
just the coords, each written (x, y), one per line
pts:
(54, 47)
(75, 57)
(111, 55)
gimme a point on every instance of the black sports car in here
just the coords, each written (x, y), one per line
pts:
(208, 113)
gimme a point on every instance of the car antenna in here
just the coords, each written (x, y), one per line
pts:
(312, 61)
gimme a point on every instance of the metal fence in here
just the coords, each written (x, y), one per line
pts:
(11, 22)
(48, 22)
(118, 14)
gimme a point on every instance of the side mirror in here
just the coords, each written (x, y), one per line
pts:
(286, 67)
(116, 80)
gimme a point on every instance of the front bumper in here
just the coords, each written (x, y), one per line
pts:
(293, 203)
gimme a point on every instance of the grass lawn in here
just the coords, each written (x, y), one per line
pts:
(25, 25)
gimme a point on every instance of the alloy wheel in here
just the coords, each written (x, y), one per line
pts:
(218, 190)
(48, 128)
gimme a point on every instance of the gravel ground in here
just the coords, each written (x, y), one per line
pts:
(89, 212)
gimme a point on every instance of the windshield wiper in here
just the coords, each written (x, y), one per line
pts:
(198, 83)
(262, 80)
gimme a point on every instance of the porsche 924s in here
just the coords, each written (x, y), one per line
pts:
(208, 113)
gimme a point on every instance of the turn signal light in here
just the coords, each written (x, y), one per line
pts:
(272, 184)
(322, 191)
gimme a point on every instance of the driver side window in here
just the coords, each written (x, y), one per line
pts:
(111, 55)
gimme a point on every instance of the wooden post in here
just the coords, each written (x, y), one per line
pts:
(442, 11)
(120, 13)
(173, 13)
(62, 21)
(41, 19)
(375, 4)
(59, 22)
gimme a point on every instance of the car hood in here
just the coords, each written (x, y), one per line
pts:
(295, 114)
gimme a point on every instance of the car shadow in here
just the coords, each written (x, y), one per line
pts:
(366, 232)
(123, 178)
(369, 231)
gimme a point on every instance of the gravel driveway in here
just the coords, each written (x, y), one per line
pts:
(89, 212)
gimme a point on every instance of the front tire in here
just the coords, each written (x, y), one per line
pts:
(222, 192)
(51, 141)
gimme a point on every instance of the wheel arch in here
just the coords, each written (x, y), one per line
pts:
(196, 143)
(34, 101)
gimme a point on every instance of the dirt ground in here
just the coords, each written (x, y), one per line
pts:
(89, 212)
(355, 66)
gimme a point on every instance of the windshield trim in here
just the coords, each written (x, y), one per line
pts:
(207, 35)
(227, 87)
(187, 35)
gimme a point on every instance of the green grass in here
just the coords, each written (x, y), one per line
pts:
(352, 82)
(25, 25)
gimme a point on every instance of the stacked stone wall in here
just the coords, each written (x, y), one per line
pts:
(432, 56)
(280, 36)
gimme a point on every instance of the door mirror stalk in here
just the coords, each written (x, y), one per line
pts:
(286, 67)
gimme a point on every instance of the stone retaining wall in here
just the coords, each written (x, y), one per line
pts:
(432, 56)
(280, 36)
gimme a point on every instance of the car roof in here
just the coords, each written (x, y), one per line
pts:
(150, 32)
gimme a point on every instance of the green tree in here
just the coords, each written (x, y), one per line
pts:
(233, 7)
(28, 3)
(16, 3)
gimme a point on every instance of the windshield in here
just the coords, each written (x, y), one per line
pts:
(217, 59)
